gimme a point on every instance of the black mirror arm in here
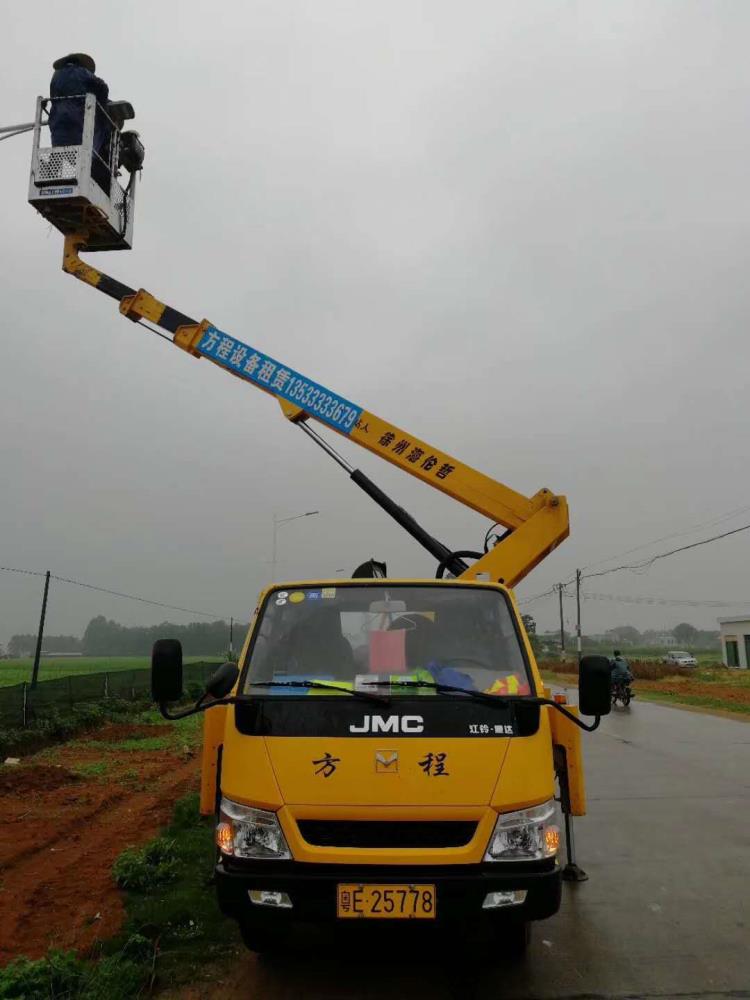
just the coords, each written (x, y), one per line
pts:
(553, 704)
(200, 706)
(569, 715)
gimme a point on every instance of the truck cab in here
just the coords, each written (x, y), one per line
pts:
(383, 756)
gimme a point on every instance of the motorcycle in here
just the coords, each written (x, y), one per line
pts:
(622, 693)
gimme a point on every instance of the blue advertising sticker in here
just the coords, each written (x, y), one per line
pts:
(269, 374)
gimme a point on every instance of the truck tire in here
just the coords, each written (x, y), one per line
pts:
(513, 939)
(264, 940)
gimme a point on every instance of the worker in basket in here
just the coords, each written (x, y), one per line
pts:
(74, 77)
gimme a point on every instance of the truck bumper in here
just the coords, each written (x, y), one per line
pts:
(461, 889)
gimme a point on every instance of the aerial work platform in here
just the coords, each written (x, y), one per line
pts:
(80, 188)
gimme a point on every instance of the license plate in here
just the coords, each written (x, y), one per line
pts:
(386, 902)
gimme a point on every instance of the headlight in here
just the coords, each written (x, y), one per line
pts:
(525, 835)
(243, 832)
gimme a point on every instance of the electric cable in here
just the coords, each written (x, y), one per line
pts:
(675, 534)
(117, 593)
(20, 131)
(646, 563)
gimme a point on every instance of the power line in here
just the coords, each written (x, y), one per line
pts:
(18, 131)
(26, 572)
(116, 593)
(671, 602)
(538, 597)
(132, 597)
(675, 534)
(646, 563)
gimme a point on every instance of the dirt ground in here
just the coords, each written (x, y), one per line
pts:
(735, 690)
(725, 692)
(65, 816)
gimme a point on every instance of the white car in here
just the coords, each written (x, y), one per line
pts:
(679, 658)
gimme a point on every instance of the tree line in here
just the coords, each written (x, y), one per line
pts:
(104, 637)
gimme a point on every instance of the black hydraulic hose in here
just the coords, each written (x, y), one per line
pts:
(441, 552)
(460, 554)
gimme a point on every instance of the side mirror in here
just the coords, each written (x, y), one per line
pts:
(595, 686)
(166, 670)
(221, 681)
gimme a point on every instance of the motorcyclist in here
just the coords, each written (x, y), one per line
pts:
(621, 673)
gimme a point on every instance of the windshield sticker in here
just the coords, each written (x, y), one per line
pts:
(297, 597)
(365, 682)
(328, 592)
(313, 595)
(292, 685)
(281, 597)
(340, 689)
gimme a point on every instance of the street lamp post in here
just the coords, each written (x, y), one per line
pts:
(284, 520)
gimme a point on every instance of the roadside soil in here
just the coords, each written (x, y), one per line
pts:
(733, 695)
(65, 815)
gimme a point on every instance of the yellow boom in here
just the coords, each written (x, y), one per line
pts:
(535, 525)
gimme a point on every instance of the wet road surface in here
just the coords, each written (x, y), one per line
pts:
(665, 912)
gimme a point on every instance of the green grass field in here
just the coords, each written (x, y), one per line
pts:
(16, 671)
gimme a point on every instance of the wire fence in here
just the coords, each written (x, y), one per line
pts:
(22, 706)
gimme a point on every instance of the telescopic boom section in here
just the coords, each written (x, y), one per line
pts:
(536, 525)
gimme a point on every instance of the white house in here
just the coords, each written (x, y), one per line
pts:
(735, 641)
(666, 639)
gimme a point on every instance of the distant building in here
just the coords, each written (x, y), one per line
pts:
(666, 639)
(735, 641)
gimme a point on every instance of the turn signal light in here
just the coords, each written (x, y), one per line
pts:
(551, 840)
(225, 838)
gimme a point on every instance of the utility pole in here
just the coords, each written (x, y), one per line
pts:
(562, 623)
(40, 633)
(578, 613)
(231, 638)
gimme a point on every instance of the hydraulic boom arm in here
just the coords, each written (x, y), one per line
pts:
(535, 525)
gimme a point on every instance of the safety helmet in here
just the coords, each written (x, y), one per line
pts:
(79, 58)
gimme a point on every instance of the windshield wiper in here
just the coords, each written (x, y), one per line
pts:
(355, 693)
(490, 699)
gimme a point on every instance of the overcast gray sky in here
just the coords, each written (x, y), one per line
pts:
(518, 230)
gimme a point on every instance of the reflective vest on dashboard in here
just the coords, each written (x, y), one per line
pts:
(508, 685)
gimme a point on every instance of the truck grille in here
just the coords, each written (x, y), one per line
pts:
(379, 833)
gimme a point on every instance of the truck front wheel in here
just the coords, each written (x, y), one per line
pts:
(265, 940)
(513, 939)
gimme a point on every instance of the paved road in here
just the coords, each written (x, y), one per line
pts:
(664, 914)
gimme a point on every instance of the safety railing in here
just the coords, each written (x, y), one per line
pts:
(76, 171)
